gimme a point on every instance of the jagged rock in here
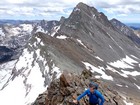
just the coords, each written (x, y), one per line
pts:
(65, 79)
(62, 19)
(63, 90)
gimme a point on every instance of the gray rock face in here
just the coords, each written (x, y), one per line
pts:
(130, 33)
(86, 40)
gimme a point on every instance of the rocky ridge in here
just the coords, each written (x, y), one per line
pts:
(64, 90)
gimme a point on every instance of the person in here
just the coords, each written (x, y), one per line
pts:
(95, 97)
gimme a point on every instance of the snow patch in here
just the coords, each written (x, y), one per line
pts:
(129, 60)
(119, 85)
(62, 37)
(113, 70)
(134, 56)
(126, 86)
(40, 29)
(81, 43)
(38, 39)
(137, 86)
(42, 44)
(35, 44)
(6, 71)
(124, 73)
(99, 58)
(1, 32)
(120, 64)
(94, 16)
(15, 31)
(124, 63)
(25, 60)
(97, 76)
(111, 47)
(98, 70)
(133, 73)
(77, 9)
(127, 103)
(56, 28)
(26, 27)
(56, 70)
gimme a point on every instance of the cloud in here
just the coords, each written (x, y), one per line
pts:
(21, 8)
(49, 9)
(120, 6)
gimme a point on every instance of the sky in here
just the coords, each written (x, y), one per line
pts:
(127, 11)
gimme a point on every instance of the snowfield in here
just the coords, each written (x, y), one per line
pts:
(124, 63)
(99, 70)
(29, 81)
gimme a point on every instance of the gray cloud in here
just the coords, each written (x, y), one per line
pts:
(120, 6)
(56, 8)
(34, 8)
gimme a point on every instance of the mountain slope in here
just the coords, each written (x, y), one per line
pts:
(85, 40)
(102, 40)
(15, 34)
(137, 32)
(130, 33)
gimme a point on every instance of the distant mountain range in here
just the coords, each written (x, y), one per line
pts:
(14, 34)
(135, 26)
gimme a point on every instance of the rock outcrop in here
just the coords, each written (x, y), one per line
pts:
(62, 91)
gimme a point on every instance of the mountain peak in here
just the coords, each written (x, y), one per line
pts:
(83, 13)
(85, 7)
(115, 21)
(81, 4)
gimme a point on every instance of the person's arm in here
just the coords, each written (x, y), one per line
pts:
(101, 97)
(82, 95)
